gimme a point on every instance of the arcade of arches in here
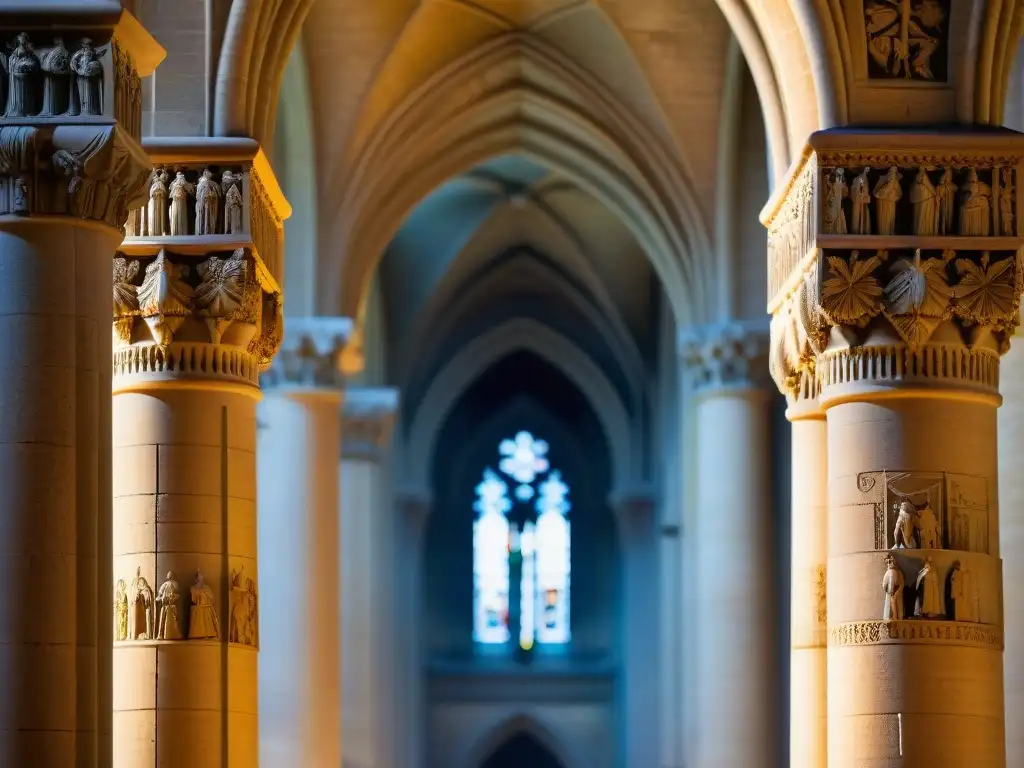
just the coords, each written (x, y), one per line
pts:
(468, 298)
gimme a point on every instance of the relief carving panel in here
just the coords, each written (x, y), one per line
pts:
(907, 39)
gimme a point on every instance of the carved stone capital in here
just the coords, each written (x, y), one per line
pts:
(311, 354)
(727, 355)
(894, 260)
(368, 419)
(199, 315)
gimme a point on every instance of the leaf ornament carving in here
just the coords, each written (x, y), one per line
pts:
(164, 297)
(917, 298)
(850, 296)
(126, 300)
(223, 284)
(987, 293)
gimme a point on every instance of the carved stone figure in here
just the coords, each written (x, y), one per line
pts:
(928, 528)
(22, 68)
(120, 610)
(892, 586)
(140, 616)
(975, 206)
(180, 190)
(56, 66)
(926, 206)
(903, 534)
(860, 196)
(1006, 214)
(169, 599)
(21, 203)
(244, 621)
(156, 209)
(232, 203)
(887, 193)
(88, 96)
(971, 595)
(202, 619)
(946, 194)
(929, 595)
(835, 218)
(207, 203)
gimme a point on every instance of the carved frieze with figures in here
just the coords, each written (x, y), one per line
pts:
(907, 39)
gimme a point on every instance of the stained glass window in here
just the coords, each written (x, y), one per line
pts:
(531, 526)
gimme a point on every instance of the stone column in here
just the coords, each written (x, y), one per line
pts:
(196, 318)
(895, 323)
(734, 607)
(808, 717)
(70, 170)
(1011, 542)
(366, 651)
(413, 509)
(300, 453)
(635, 513)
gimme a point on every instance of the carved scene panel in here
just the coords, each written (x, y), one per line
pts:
(907, 39)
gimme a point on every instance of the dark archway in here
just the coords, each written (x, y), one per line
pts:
(522, 751)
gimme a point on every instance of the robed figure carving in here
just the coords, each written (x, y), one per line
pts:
(156, 210)
(946, 194)
(928, 526)
(836, 190)
(903, 533)
(887, 193)
(232, 203)
(120, 610)
(975, 206)
(892, 586)
(243, 620)
(140, 615)
(207, 203)
(87, 98)
(923, 198)
(169, 599)
(22, 69)
(963, 590)
(56, 65)
(1006, 214)
(202, 619)
(180, 190)
(860, 197)
(929, 595)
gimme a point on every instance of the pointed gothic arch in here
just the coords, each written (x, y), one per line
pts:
(505, 729)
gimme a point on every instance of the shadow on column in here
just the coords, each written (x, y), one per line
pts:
(522, 751)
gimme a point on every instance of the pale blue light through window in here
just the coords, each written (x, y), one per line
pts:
(540, 538)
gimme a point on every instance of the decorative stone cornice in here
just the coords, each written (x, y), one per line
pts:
(311, 354)
(368, 420)
(726, 355)
(894, 260)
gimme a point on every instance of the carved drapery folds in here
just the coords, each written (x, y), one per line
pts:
(722, 356)
(215, 188)
(895, 264)
(213, 315)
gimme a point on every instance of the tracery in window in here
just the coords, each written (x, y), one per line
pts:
(524, 534)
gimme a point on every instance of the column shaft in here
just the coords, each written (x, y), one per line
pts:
(300, 691)
(184, 505)
(808, 719)
(934, 695)
(734, 605)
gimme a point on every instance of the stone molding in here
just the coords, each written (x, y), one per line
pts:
(916, 632)
(726, 355)
(368, 418)
(204, 314)
(245, 202)
(894, 259)
(310, 355)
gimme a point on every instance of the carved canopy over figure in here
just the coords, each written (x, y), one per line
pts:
(892, 586)
(202, 622)
(887, 193)
(860, 196)
(207, 204)
(169, 599)
(929, 596)
(140, 624)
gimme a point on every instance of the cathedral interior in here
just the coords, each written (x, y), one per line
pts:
(511, 384)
